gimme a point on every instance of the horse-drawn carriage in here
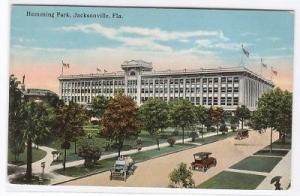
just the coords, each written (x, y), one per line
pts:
(123, 167)
(242, 134)
(203, 162)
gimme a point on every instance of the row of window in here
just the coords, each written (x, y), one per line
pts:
(149, 81)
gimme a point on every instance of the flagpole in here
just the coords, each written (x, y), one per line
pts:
(62, 68)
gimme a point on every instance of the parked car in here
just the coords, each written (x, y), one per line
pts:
(202, 161)
(242, 134)
(123, 168)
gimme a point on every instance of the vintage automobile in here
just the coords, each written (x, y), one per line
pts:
(123, 167)
(242, 134)
(203, 162)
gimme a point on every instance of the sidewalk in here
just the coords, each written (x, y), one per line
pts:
(283, 168)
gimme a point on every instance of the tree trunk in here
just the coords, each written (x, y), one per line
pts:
(271, 139)
(75, 147)
(183, 135)
(65, 159)
(15, 157)
(29, 160)
(157, 142)
(242, 123)
(120, 148)
(283, 137)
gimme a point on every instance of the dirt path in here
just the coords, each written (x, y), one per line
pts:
(154, 173)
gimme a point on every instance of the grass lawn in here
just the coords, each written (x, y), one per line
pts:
(273, 153)
(255, 163)
(104, 165)
(37, 154)
(214, 138)
(278, 144)
(232, 180)
(147, 140)
(35, 180)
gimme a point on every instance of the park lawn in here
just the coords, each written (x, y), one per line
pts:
(214, 138)
(34, 181)
(80, 170)
(232, 180)
(278, 144)
(37, 154)
(273, 153)
(147, 140)
(257, 163)
(106, 164)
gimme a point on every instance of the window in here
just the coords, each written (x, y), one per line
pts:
(132, 73)
(215, 100)
(222, 100)
(235, 101)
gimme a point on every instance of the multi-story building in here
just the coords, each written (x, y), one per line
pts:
(226, 87)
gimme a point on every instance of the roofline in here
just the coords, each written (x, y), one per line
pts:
(172, 72)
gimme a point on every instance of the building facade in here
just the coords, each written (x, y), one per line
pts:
(225, 87)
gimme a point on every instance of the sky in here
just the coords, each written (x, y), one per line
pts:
(169, 38)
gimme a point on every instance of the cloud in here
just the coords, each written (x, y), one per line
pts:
(210, 44)
(148, 38)
(245, 34)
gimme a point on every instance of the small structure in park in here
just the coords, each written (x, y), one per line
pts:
(242, 134)
(203, 162)
(123, 167)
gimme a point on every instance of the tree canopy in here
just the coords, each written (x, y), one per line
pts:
(243, 113)
(154, 117)
(69, 123)
(275, 112)
(182, 114)
(120, 120)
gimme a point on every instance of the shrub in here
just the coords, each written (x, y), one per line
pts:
(194, 135)
(223, 128)
(89, 151)
(171, 141)
(181, 177)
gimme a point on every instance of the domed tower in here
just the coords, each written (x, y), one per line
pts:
(133, 71)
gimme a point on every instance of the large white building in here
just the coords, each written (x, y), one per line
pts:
(226, 87)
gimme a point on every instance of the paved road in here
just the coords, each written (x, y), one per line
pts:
(154, 172)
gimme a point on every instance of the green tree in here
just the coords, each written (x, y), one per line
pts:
(154, 117)
(243, 113)
(182, 114)
(38, 118)
(234, 121)
(217, 114)
(275, 110)
(120, 120)
(181, 177)
(69, 125)
(89, 150)
(257, 121)
(99, 104)
(16, 141)
(202, 116)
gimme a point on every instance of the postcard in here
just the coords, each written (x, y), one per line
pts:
(177, 98)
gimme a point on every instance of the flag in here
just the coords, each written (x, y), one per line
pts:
(98, 69)
(246, 53)
(264, 65)
(274, 72)
(66, 65)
